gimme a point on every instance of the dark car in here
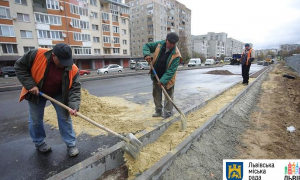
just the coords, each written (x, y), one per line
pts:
(7, 71)
(84, 72)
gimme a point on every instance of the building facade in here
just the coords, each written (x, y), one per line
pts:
(211, 45)
(289, 47)
(97, 30)
(152, 20)
(234, 46)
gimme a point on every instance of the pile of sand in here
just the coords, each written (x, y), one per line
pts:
(153, 152)
(115, 113)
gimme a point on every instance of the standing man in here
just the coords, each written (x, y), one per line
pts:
(53, 73)
(166, 58)
(247, 57)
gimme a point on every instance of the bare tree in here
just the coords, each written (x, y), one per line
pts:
(182, 45)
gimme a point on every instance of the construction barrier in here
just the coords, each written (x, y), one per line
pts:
(293, 62)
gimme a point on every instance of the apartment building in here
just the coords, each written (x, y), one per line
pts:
(266, 51)
(97, 30)
(211, 45)
(289, 47)
(234, 46)
(152, 20)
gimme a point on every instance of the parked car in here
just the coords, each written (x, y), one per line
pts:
(110, 69)
(194, 62)
(142, 65)
(209, 62)
(132, 65)
(84, 72)
(7, 71)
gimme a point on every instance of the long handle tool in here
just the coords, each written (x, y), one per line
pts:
(132, 145)
(183, 118)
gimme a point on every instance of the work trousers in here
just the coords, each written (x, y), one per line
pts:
(157, 96)
(36, 122)
(245, 73)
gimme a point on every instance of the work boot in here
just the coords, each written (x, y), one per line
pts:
(167, 115)
(73, 151)
(157, 114)
(43, 148)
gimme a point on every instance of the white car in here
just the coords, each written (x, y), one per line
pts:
(111, 68)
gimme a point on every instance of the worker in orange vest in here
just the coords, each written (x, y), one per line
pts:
(53, 73)
(247, 58)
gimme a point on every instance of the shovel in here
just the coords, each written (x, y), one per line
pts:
(132, 145)
(183, 118)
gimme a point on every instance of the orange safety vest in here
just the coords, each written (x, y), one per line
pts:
(38, 70)
(248, 56)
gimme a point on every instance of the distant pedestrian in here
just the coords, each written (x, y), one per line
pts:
(247, 58)
(53, 73)
(166, 59)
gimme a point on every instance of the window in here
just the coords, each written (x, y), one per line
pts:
(123, 31)
(93, 2)
(78, 10)
(124, 41)
(26, 49)
(105, 27)
(116, 50)
(96, 39)
(124, 51)
(106, 39)
(116, 29)
(23, 17)
(9, 48)
(114, 9)
(82, 50)
(115, 18)
(46, 46)
(52, 4)
(105, 16)
(123, 21)
(45, 34)
(24, 2)
(81, 37)
(8, 31)
(95, 27)
(96, 51)
(94, 15)
(106, 51)
(26, 34)
(80, 24)
(4, 13)
(116, 40)
(47, 19)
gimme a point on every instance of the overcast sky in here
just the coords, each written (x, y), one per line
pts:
(265, 23)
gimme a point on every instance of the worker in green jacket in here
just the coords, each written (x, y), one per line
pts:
(166, 58)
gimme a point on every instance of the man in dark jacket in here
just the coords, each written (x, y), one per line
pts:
(247, 57)
(166, 58)
(53, 73)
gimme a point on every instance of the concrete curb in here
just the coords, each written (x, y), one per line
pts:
(161, 166)
(112, 157)
(92, 78)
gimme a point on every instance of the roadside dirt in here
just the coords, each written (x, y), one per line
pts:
(255, 128)
(278, 109)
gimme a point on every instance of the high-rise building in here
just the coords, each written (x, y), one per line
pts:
(234, 46)
(152, 20)
(97, 30)
(211, 45)
(289, 47)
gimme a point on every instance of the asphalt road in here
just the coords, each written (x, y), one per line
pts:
(20, 160)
